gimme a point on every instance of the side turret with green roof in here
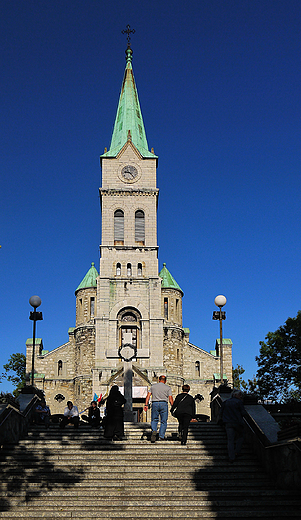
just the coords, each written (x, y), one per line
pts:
(168, 281)
(86, 294)
(171, 300)
(90, 279)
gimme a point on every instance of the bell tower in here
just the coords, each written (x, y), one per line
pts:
(128, 286)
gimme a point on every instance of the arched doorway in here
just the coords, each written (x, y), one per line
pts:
(129, 327)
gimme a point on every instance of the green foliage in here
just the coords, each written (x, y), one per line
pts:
(279, 362)
(15, 371)
(238, 382)
(249, 387)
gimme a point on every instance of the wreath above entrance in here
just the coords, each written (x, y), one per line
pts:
(127, 352)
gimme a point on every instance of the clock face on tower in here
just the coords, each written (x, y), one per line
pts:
(129, 172)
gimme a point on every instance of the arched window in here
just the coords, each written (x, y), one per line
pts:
(139, 227)
(129, 269)
(197, 369)
(80, 309)
(139, 270)
(166, 308)
(92, 306)
(119, 227)
(59, 367)
(118, 269)
(129, 316)
(129, 327)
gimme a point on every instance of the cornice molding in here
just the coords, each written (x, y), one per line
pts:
(146, 192)
(141, 249)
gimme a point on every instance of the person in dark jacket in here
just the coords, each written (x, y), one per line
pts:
(114, 424)
(93, 416)
(232, 414)
(42, 413)
(184, 406)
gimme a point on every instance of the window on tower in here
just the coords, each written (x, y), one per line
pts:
(129, 269)
(119, 227)
(139, 227)
(139, 270)
(118, 269)
(166, 308)
(92, 306)
(80, 309)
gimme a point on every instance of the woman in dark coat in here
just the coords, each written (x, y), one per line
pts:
(184, 406)
(114, 425)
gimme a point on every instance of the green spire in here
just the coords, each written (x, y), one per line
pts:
(168, 282)
(128, 123)
(90, 279)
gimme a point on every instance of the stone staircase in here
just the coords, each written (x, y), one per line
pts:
(77, 474)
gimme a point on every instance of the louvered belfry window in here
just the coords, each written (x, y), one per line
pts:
(119, 227)
(139, 227)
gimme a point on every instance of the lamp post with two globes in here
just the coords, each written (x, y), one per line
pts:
(35, 301)
(220, 315)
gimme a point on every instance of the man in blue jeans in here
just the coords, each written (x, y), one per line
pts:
(161, 394)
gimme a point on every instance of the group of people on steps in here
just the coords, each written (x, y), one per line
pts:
(182, 407)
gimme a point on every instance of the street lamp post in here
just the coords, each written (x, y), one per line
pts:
(220, 315)
(35, 301)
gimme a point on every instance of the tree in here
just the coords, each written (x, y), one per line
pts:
(15, 371)
(238, 382)
(279, 362)
(250, 387)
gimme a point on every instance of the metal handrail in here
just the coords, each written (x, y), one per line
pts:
(24, 418)
(249, 422)
(6, 415)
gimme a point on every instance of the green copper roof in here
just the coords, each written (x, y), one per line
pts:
(168, 282)
(38, 341)
(226, 341)
(90, 279)
(129, 123)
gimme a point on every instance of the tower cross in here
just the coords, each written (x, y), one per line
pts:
(128, 31)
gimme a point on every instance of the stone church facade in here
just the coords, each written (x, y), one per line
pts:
(128, 301)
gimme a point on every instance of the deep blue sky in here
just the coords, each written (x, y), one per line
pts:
(219, 87)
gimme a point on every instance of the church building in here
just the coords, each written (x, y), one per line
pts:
(128, 301)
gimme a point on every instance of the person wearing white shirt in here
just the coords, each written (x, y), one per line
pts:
(71, 415)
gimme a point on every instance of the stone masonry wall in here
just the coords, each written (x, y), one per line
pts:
(67, 370)
(85, 310)
(174, 298)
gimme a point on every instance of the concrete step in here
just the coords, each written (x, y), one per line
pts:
(133, 478)
(243, 474)
(116, 459)
(182, 501)
(85, 438)
(204, 428)
(125, 445)
(181, 505)
(139, 512)
(76, 484)
(86, 492)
